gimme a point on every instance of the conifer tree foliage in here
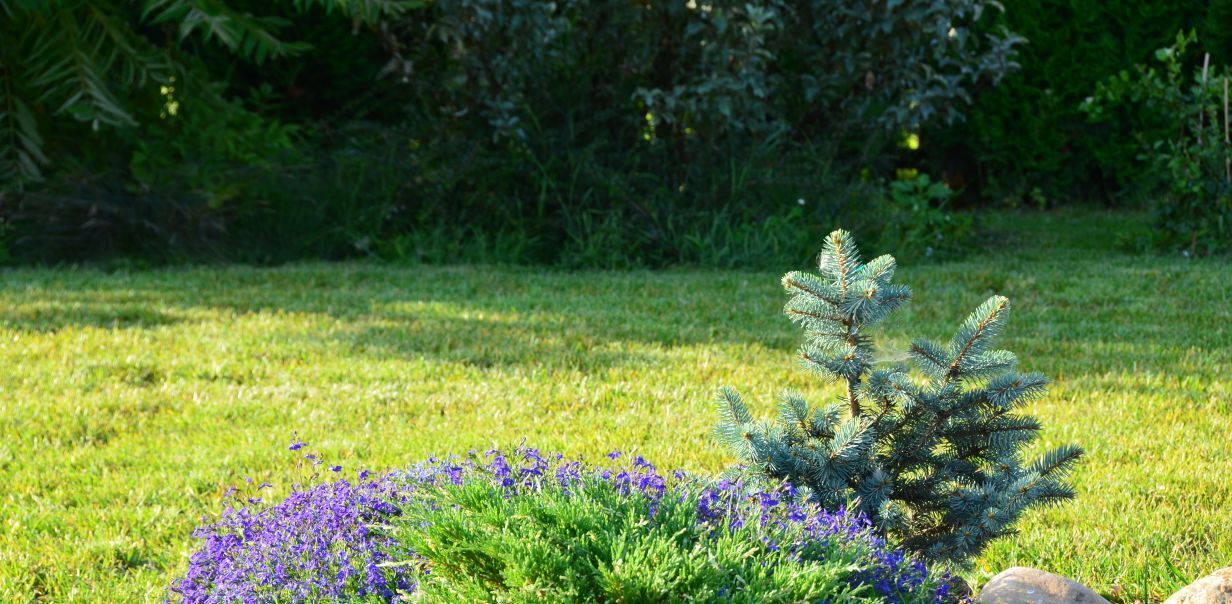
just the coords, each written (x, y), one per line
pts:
(936, 464)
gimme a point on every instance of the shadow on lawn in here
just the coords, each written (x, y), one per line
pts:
(54, 317)
(479, 318)
(486, 343)
(1065, 320)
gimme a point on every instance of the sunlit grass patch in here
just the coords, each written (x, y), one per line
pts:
(130, 401)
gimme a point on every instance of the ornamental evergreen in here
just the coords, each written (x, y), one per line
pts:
(936, 464)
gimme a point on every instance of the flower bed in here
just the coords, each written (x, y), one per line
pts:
(521, 525)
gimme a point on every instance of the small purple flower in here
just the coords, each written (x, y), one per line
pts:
(335, 469)
(768, 499)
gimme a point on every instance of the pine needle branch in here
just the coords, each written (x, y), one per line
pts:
(980, 326)
(1058, 463)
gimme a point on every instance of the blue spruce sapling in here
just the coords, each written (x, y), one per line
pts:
(936, 465)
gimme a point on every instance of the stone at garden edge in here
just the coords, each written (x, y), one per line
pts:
(1021, 585)
(1215, 588)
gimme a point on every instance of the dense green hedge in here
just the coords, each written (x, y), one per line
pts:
(574, 133)
(1028, 141)
(727, 133)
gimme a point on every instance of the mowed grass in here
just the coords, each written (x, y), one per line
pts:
(130, 401)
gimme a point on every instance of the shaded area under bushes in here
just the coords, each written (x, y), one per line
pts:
(380, 194)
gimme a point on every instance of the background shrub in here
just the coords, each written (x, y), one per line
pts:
(572, 133)
(1027, 140)
(918, 221)
(1192, 149)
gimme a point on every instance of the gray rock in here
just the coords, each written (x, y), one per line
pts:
(1215, 588)
(1021, 585)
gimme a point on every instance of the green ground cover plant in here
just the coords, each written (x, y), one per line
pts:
(132, 400)
(519, 525)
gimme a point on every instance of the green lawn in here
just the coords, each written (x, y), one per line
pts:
(130, 401)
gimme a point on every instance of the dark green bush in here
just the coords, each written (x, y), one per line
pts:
(1191, 151)
(1216, 34)
(1027, 137)
(572, 133)
(918, 221)
(85, 222)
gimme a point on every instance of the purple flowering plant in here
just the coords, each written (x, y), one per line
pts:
(318, 543)
(465, 528)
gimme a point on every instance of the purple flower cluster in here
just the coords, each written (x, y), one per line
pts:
(316, 544)
(324, 542)
(892, 574)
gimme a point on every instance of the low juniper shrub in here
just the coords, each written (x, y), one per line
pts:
(519, 525)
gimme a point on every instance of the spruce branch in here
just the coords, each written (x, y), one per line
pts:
(735, 427)
(1015, 389)
(980, 328)
(1053, 493)
(808, 285)
(853, 435)
(930, 358)
(880, 269)
(839, 258)
(1058, 463)
(794, 416)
